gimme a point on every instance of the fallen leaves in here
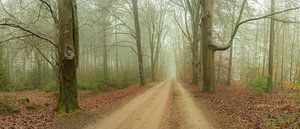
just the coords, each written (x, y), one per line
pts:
(251, 110)
(36, 107)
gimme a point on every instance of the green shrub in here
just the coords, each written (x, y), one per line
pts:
(4, 80)
(258, 85)
(6, 106)
(21, 86)
(87, 85)
(50, 87)
(4, 76)
(289, 120)
(296, 83)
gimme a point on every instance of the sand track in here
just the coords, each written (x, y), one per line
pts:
(151, 109)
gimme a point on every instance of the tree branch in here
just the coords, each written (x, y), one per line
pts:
(115, 45)
(23, 36)
(28, 31)
(51, 12)
(229, 44)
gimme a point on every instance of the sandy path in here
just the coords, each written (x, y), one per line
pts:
(189, 115)
(149, 110)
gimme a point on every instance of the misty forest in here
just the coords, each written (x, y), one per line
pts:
(149, 64)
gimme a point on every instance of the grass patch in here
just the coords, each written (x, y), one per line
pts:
(258, 85)
(50, 87)
(7, 106)
(289, 121)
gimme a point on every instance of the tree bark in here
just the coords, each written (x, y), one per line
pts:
(292, 52)
(104, 41)
(117, 51)
(138, 42)
(231, 50)
(68, 56)
(209, 47)
(194, 7)
(38, 73)
(195, 69)
(271, 48)
(208, 51)
(208, 70)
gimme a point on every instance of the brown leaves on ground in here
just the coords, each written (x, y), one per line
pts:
(34, 111)
(274, 110)
(92, 101)
(36, 107)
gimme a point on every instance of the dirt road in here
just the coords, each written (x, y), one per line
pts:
(165, 106)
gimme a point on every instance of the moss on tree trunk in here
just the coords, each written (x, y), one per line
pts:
(68, 56)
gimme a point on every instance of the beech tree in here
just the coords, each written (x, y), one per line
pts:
(192, 9)
(68, 56)
(209, 47)
(155, 23)
(138, 39)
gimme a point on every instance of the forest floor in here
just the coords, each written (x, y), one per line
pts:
(34, 109)
(235, 107)
(167, 105)
(164, 105)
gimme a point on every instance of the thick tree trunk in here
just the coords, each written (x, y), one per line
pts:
(138, 42)
(208, 51)
(209, 47)
(68, 56)
(208, 70)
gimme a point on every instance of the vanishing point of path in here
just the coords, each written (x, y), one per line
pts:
(165, 106)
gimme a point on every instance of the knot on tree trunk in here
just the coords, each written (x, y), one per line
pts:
(69, 53)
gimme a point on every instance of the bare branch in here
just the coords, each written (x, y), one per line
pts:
(28, 31)
(229, 44)
(18, 37)
(115, 45)
(51, 12)
(179, 26)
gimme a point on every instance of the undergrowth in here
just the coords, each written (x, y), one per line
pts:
(288, 121)
(258, 84)
(7, 106)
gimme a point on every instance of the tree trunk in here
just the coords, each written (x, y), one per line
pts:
(104, 41)
(208, 69)
(138, 41)
(230, 67)
(151, 34)
(231, 50)
(292, 52)
(152, 70)
(38, 73)
(209, 47)
(68, 56)
(219, 66)
(271, 48)
(282, 58)
(208, 51)
(117, 51)
(195, 63)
